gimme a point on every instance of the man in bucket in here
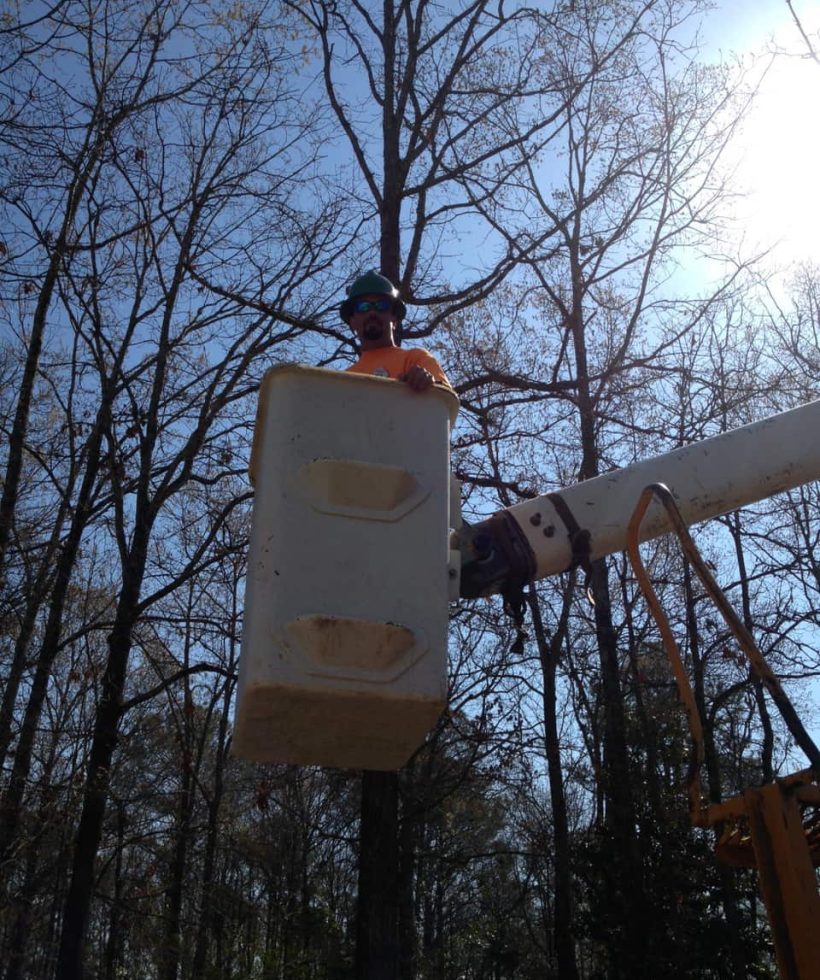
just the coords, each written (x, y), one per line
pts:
(373, 309)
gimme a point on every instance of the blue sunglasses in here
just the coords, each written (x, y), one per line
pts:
(365, 305)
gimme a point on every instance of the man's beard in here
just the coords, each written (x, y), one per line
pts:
(373, 330)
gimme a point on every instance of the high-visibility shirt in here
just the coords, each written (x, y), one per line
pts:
(393, 362)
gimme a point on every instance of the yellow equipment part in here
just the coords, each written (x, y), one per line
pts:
(773, 828)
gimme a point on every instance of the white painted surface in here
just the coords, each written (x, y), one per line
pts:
(344, 652)
(708, 479)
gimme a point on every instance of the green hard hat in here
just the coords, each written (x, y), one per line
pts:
(373, 283)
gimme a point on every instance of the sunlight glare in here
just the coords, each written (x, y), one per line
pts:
(780, 163)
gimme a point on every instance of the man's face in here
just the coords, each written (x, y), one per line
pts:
(373, 321)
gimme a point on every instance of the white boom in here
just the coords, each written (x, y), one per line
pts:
(541, 537)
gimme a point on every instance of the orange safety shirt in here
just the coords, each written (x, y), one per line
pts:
(393, 362)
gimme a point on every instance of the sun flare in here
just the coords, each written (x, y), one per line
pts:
(779, 165)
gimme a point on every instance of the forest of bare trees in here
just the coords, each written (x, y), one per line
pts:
(186, 187)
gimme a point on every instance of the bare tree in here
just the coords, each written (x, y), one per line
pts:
(636, 177)
(437, 90)
(182, 147)
(810, 43)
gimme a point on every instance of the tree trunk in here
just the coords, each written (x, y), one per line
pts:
(114, 942)
(377, 911)
(624, 878)
(767, 754)
(18, 666)
(648, 734)
(13, 797)
(104, 743)
(407, 871)
(206, 911)
(377, 927)
(172, 946)
(22, 906)
(624, 885)
(728, 877)
(548, 653)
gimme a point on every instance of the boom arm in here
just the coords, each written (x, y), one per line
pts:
(542, 537)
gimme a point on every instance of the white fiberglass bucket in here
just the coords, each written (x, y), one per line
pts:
(344, 650)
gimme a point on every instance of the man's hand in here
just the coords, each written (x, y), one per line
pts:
(418, 378)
